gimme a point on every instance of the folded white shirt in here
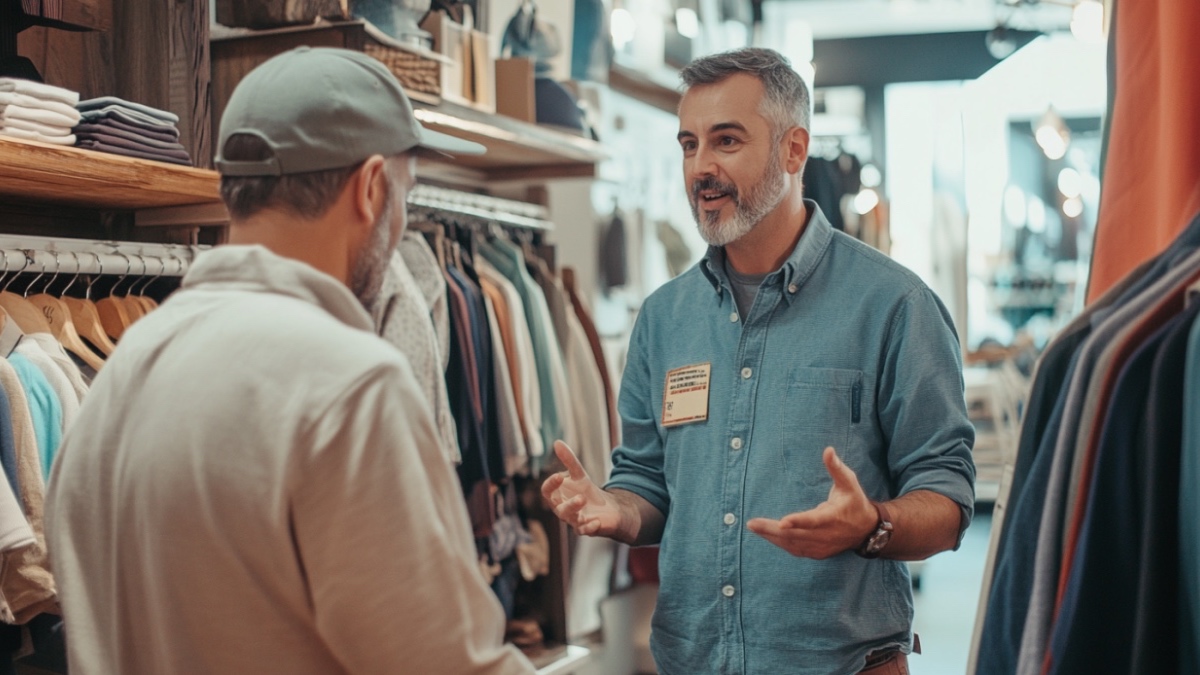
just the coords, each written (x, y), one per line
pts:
(35, 136)
(38, 90)
(8, 98)
(41, 128)
(50, 117)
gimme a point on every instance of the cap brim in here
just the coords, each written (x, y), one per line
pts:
(434, 140)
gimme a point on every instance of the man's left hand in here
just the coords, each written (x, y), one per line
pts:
(838, 524)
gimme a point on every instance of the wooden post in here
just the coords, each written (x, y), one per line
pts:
(156, 53)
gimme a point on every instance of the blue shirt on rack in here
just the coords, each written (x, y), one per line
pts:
(841, 347)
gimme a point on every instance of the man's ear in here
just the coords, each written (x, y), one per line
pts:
(368, 188)
(795, 149)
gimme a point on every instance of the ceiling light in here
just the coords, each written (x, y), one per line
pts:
(1073, 207)
(870, 176)
(1070, 183)
(1052, 134)
(1000, 43)
(866, 201)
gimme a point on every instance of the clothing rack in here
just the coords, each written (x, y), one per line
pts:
(427, 201)
(78, 256)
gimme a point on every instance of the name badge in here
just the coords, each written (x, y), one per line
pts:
(685, 395)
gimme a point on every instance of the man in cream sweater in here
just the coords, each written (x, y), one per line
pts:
(254, 484)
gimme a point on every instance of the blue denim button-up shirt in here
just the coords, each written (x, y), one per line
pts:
(841, 347)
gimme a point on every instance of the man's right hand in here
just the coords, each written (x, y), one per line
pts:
(578, 501)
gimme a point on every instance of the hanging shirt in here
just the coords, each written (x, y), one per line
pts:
(550, 292)
(423, 266)
(1118, 612)
(1189, 512)
(510, 262)
(255, 484)
(402, 317)
(522, 359)
(44, 407)
(64, 392)
(512, 442)
(14, 529)
(589, 328)
(63, 360)
(843, 348)
(27, 587)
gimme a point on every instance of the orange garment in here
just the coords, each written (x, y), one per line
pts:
(510, 346)
(1151, 186)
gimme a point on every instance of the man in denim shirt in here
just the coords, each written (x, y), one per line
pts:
(789, 450)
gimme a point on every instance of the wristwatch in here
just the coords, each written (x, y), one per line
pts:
(875, 542)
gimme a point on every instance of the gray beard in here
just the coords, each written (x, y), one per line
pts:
(366, 279)
(748, 212)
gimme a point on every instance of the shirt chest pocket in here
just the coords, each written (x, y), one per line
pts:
(820, 408)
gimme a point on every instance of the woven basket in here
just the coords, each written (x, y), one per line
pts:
(417, 74)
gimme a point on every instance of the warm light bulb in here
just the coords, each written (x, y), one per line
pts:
(1070, 183)
(1051, 142)
(866, 201)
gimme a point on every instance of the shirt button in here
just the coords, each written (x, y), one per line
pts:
(728, 591)
(736, 444)
(733, 318)
(730, 519)
(792, 288)
(746, 373)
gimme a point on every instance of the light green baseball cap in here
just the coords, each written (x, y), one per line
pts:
(321, 108)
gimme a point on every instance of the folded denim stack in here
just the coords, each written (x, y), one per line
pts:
(131, 129)
(38, 112)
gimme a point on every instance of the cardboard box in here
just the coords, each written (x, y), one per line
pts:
(514, 89)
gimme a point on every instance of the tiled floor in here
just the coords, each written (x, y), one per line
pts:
(946, 603)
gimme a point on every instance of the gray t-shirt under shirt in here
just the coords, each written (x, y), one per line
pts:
(745, 288)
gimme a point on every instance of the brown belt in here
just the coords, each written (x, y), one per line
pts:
(888, 662)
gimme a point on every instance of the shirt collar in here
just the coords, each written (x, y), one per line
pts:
(256, 269)
(796, 269)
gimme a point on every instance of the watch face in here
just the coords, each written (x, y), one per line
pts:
(879, 540)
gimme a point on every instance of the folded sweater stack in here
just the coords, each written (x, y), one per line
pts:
(131, 129)
(38, 112)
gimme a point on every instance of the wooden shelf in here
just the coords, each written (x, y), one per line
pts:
(516, 150)
(644, 88)
(39, 172)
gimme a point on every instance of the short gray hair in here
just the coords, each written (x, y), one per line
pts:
(786, 100)
(308, 195)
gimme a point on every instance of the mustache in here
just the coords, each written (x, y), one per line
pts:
(711, 183)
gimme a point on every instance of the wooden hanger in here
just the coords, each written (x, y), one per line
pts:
(27, 316)
(148, 304)
(10, 334)
(133, 306)
(113, 315)
(86, 317)
(62, 327)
